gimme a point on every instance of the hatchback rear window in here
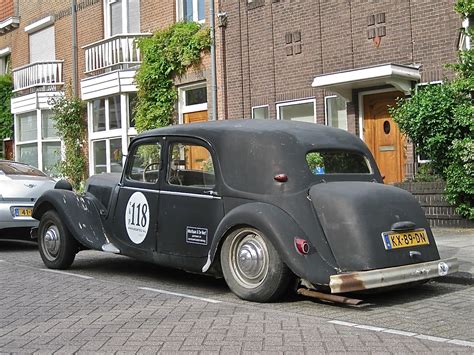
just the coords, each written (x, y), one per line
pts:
(337, 162)
(11, 168)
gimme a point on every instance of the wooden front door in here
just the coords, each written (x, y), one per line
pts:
(383, 137)
(195, 156)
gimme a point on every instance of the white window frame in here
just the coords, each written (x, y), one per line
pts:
(326, 119)
(296, 102)
(180, 15)
(182, 107)
(257, 107)
(4, 53)
(39, 141)
(124, 133)
(108, 18)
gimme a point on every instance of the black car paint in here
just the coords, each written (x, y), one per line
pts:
(248, 154)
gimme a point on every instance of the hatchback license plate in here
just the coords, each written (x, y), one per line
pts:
(23, 212)
(395, 240)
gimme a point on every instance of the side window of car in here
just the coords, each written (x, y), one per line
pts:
(145, 163)
(190, 165)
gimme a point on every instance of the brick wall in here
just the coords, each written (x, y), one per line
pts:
(6, 9)
(439, 213)
(262, 69)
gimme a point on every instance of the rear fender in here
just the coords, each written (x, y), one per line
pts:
(78, 212)
(281, 229)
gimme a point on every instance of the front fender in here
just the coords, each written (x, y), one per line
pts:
(78, 212)
(281, 229)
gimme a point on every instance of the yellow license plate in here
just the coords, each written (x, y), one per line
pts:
(23, 212)
(395, 240)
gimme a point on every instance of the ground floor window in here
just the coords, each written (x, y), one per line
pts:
(260, 112)
(303, 110)
(111, 126)
(37, 140)
(336, 112)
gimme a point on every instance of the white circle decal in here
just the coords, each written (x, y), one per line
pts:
(137, 217)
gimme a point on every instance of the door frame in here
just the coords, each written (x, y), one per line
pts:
(361, 106)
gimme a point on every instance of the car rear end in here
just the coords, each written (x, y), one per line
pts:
(20, 187)
(378, 233)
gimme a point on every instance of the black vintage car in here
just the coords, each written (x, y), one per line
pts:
(263, 203)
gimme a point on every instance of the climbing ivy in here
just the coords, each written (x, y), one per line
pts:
(6, 118)
(69, 121)
(166, 55)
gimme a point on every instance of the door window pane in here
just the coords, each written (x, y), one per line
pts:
(100, 158)
(133, 16)
(260, 113)
(336, 112)
(27, 127)
(51, 157)
(116, 155)
(98, 115)
(47, 125)
(145, 163)
(116, 17)
(196, 96)
(298, 112)
(115, 120)
(28, 154)
(191, 165)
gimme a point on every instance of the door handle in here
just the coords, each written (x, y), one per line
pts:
(211, 192)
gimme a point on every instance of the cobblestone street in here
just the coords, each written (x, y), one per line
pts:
(112, 304)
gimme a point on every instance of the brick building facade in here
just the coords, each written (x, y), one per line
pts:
(329, 62)
(337, 63)
(40, 44)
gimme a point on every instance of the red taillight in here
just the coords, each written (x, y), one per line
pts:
(281, 178)
(302, 246)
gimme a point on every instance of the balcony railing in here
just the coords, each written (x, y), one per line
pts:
(117, 52)
(31, 77)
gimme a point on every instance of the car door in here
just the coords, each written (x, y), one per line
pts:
(136, 213)
(190, 204)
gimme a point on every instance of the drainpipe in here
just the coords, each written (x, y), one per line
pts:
(74, 47)
(213, 62)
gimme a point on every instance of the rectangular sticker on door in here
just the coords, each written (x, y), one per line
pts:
(195, 235)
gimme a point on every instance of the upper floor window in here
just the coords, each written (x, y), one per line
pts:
(42, 45)
(260, 112)
(4, 61)
(191, 10)
(122, 16)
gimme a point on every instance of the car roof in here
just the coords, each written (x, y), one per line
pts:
(316, 135)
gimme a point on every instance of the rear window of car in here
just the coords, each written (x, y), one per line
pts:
(10, 168)
(337, 162)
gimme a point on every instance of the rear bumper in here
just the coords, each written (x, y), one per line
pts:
(365, 280)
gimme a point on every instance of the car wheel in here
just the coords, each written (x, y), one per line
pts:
(57, 246)
(252, 267)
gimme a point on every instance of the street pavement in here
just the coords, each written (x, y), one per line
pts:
(458, 243)
(113, 304)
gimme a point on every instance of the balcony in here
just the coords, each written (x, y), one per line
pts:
(115, 53)
(39, 76)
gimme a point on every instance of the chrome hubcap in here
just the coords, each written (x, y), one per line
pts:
(51, 242)
(249, 258)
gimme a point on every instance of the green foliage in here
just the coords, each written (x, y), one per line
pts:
(439, 120)
(460, 177)
(167, 54)
(6, 118)
(425, 173)
(465, 7)
(69, 121)
(314, 160)
(433, 118)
